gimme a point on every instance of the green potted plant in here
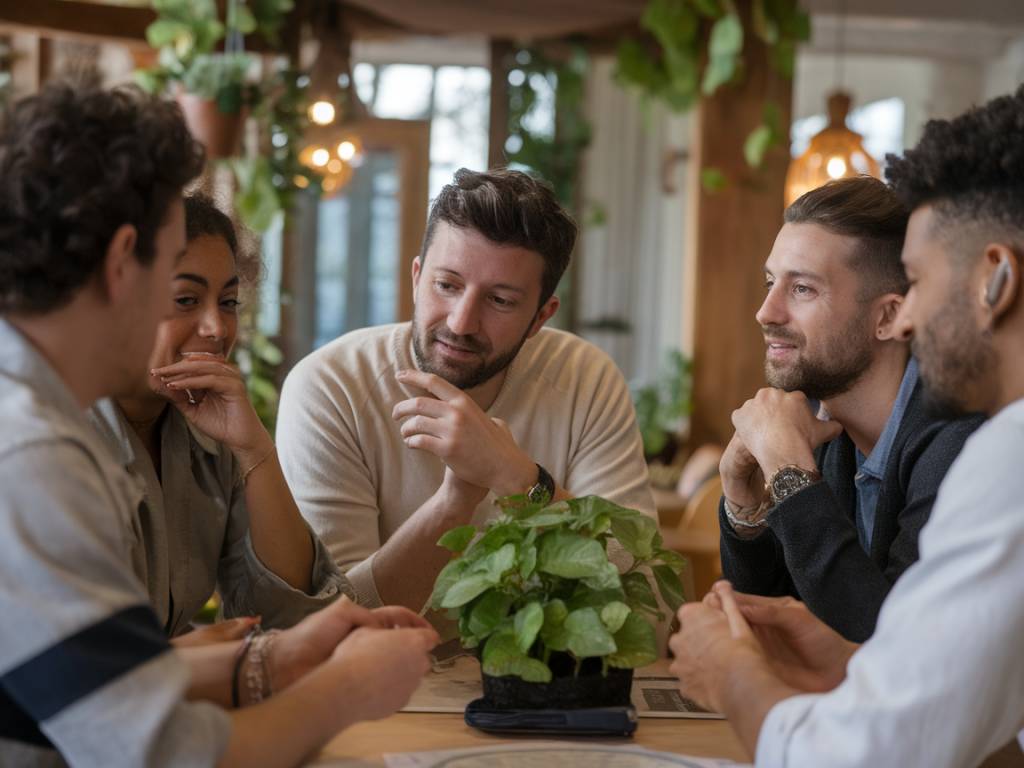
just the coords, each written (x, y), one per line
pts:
(553, 620)
(662, 406)
(209, 84)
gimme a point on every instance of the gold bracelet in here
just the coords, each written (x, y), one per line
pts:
(264, 457)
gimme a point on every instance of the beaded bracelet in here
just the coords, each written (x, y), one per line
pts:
(239, 658)
(257, 673)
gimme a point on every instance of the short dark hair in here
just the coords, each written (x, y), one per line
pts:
(970, 168)
(866, 209)
(204, 218)
(508, 208)
(76, 163)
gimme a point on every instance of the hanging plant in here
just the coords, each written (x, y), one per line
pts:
(668, 67)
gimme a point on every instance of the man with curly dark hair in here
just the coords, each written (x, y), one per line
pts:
(941, 682)
(91, 228)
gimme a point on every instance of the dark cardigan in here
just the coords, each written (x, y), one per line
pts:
(811, 550)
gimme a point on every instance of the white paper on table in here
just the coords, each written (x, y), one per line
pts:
(453, 683)
(542, 754)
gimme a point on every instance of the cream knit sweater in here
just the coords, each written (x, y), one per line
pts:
(356, 482)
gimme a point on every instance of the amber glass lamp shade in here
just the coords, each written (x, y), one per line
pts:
(834, 153)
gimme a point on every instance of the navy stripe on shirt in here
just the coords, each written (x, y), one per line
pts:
(84, 662)
(16, 725)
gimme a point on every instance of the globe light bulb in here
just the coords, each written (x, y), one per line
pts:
(322, 112)
(321, 157)
(836, 167)
(346, 150)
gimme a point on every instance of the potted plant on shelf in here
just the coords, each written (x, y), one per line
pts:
(209, 84)
(555, 623)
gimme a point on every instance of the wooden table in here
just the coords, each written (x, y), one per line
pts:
(417, 732)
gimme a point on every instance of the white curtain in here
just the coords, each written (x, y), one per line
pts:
(631, 266)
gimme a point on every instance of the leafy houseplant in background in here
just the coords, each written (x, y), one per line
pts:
(538, 597)
(661, 407)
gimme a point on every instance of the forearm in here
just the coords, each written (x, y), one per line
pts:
(290, 727)
(748, 692)
(404, 568)
(280, 538)
(211, 668)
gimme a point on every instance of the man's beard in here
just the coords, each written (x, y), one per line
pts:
(847, 356)
(466, 376)
(951, 355)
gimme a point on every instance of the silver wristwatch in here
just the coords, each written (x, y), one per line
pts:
(789, 480)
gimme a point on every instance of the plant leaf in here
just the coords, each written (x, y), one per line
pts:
(570, 555)
(467, 588)
(502, 657)
(614, 615)
(527, 561)
(446, 579)
(457, 539)
(488, 612)
(588, 635)
(636, 534)
(673, 560)
(757, 143)
(713, 180)
(639, 595)
(553, 633)
(608, 578)
(529, 619)
(496, 564)
(636, 644)
(669, 585)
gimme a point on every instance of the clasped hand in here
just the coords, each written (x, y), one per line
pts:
(773, 429)
(479, 450)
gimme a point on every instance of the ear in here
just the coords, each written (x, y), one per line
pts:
(545, 313)
(1000, 280)
(120, 266)
(888, 311)
(417, 267)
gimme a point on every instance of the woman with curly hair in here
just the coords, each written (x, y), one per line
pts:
(217, 511)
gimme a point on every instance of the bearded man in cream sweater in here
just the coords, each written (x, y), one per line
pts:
(389, 436)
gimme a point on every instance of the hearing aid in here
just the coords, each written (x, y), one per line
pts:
(998, 282)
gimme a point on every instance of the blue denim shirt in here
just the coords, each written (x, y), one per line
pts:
(871, 468)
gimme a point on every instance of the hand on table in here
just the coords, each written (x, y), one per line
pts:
(479, 450)
(778, 429)
(713, 640)
(317, 637)
(803, 651)
(211, 393)
(383, 667)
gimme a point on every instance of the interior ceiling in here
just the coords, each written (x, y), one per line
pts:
(552, 18)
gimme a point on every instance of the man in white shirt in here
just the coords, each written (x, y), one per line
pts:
(390, 436)
(941, 682)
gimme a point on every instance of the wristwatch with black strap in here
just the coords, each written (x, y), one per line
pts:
(543, 490)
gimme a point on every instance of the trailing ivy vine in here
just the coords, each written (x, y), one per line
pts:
(674, 67)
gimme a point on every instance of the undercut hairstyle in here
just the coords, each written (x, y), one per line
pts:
(971, 170)
(204, 219)
(508, 208)
(866, 209)
(77, 163)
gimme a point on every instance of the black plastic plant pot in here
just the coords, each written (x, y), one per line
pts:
(589, 689)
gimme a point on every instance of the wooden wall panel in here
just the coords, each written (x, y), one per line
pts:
(734, 232)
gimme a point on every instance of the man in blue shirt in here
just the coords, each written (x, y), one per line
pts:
(824, 500)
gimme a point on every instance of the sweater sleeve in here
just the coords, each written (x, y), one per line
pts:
(756, 565)
(323, 463)
(832, 573)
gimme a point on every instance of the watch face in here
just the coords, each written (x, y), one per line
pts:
(788, 481)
